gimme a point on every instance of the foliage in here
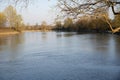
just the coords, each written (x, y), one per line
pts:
(78, 8)
(68, 23)
(44, 25)
(92, 23)
(116, 21)
(87, 23)
(2, 20)
(58, 25)
(14, 20)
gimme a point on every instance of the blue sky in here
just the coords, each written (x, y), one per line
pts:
(38, 11)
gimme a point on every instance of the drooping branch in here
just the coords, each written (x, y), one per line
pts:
(112, 5)
(22, 3)
(87, 6)
(108, 22)
(92, 7)
(113, 10)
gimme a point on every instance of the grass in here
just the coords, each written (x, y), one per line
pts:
(7, 31)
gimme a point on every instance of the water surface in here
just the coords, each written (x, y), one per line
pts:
(60, 56)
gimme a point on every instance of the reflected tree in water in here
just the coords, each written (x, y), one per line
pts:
(117, 45)
(99, 39)
(14, 45)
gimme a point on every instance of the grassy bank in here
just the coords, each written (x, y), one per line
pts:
(7, 31)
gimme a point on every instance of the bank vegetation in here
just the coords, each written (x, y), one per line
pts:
(89, 16)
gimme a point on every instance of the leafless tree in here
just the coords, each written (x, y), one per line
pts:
(22, 3)
(92, 7)
(76, 7)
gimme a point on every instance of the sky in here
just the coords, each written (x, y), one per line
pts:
(42, 10)
(39, 11)
(36, 12)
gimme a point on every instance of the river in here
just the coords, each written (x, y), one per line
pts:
(59, 56)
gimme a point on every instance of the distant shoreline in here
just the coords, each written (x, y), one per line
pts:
(4, 33)
(8, 33)
(36, 30)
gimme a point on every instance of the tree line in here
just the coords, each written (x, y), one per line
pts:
(96, 22)
(76, 8)
(88, 23)
(9, 18)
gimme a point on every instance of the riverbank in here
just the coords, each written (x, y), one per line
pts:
(13, 32)
(4, 32)
(7, 32)
(36, 30)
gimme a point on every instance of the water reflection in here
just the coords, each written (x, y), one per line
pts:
(44, 35)
(100, 42)
(40, 55)
(69, 34)
(65, 34)
(59, 34)
(2, 42)
(16, 46)
(12, 45)
(117, 44)
(117, 47)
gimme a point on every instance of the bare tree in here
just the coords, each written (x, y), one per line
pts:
(22, 3)
(77, 8)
